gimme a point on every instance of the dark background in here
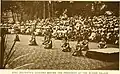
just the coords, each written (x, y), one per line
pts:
(35, 9)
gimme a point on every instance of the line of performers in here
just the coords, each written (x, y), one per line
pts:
(81, 46)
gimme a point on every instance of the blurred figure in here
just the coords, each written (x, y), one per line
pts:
(102, 44)
(48, 44)
(92, 36)
(78, 51)
(80, 47)
(66, 45)
(16, 38)
(47, 35)
(32, 40)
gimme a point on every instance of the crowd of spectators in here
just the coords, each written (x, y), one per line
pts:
(75, 28)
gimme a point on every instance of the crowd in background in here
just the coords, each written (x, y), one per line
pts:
(75, 28)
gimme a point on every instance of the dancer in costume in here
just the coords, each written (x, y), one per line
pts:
(66, 45)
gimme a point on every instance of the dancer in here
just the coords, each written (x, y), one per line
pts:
(81, 47)
(32, 40)
(66, 45)
(102, 44)
(78, 51)
(47, 35)
(48, 44)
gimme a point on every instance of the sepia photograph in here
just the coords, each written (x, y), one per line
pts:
(59, 35)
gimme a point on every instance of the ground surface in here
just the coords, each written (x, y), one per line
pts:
(36, 57)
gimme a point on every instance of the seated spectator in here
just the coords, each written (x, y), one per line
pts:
(92, 36)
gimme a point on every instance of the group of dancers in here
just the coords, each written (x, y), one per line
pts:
(81, 46)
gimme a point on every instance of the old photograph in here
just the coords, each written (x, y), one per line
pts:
(59, 35)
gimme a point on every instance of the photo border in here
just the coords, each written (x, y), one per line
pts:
(11, 71)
